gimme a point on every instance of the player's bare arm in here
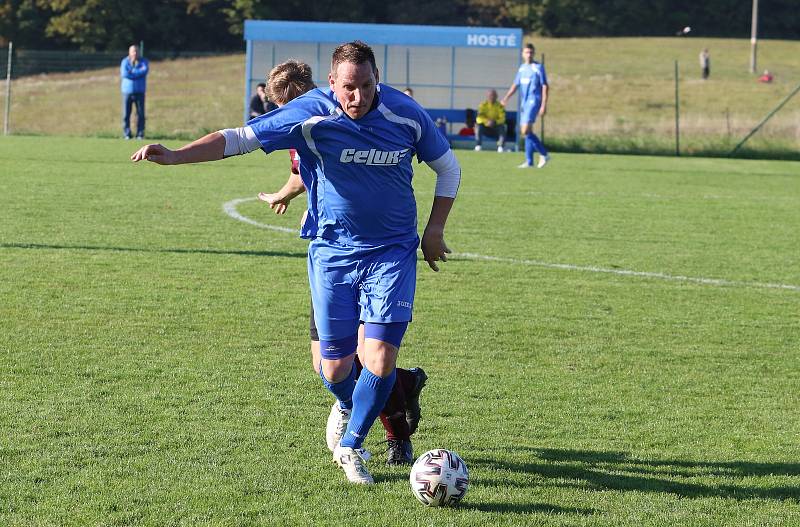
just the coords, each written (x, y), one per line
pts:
(208, 148)
(434, 248)
(543, 108)
(448, 179)
(279, 201)
(511, 91)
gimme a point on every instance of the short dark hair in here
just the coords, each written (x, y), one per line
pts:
(530, 46)
(355, 52)
(261, 85)
(289, 80)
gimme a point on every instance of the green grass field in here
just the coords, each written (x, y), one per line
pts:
(607, 95)
(154, 366)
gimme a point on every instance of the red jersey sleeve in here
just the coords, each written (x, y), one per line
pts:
(295, 157)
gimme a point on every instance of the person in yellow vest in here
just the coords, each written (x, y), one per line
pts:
(491, 121)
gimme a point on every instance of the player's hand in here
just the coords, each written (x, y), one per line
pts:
(156, 153)
(503, 101)
(433, 247)
(276, 202)
(542, 110)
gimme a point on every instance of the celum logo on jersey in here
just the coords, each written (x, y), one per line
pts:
(372, 157)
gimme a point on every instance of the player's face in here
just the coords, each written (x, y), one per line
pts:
(527, 55)
(133, 53)
(354, 86)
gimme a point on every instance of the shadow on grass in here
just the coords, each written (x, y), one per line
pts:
(618, 471)
(524, 508)
(173, 250)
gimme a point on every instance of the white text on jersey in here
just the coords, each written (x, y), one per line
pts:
(372, 156)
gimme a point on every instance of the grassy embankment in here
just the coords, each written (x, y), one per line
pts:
(608, 95)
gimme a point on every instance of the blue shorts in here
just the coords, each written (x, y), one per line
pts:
(529, 112)
(354, 284)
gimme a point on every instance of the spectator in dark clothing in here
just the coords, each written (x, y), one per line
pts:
(259, 104)
(469, 124)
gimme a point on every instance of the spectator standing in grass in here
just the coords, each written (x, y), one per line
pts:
(491, 121)
(133, 76)
(705, 63)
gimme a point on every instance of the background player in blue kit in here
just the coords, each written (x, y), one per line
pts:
(356, 142)
(531, 80)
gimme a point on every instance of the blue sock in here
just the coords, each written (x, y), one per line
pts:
(538, 145)
(529, 146)
(369, 397)
(343, 390)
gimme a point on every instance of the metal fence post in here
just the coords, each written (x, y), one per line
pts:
(8, 89)
(677, 115)
(541, 123)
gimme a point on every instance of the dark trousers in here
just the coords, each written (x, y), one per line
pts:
(128, 100)
(497, 131)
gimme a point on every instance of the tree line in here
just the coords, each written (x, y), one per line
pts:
(216, 25)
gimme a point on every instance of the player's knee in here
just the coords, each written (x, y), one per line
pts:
(382, 346)
(337, 357)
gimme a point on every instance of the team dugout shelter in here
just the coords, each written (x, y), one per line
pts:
(449, 68)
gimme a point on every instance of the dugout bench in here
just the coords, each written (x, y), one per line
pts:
(451, 120)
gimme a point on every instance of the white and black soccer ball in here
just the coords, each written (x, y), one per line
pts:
(439, 478)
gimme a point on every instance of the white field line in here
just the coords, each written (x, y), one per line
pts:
(626, 272)
(230, 210)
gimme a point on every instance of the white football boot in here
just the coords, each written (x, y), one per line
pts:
(525, 165)
(543, 161)
(352, 462)
(337, 424)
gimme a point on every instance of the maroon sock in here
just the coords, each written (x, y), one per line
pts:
(393, 415)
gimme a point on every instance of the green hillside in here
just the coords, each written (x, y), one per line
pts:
(606, 94)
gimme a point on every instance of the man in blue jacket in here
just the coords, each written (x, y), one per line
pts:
(133, 74)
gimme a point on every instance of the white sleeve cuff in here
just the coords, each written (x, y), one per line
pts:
(448, 175)
(239, 140)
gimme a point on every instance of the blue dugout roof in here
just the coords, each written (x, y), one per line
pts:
(386, 34)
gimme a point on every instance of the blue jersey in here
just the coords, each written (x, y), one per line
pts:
(530, 79)
(133, 78)
(357, 172)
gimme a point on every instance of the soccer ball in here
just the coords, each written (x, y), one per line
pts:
(439, 478)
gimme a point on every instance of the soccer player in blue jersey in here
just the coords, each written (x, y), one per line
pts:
(531, 80)
(356, 142)
(401, 414)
